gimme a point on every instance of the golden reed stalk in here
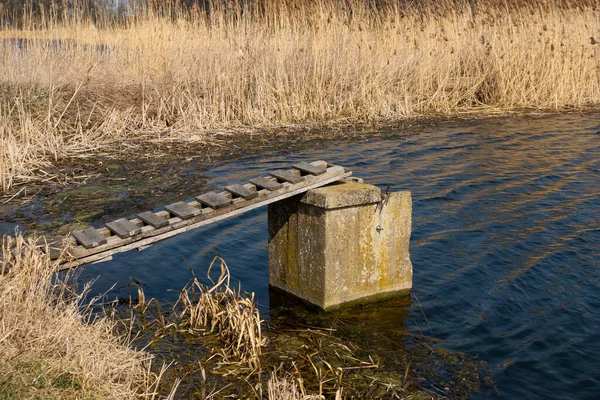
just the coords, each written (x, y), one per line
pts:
(75, 82)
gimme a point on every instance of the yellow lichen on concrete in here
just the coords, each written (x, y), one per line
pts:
(347, 244)
(340, 195)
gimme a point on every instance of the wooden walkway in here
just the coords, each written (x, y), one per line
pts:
(95, 245)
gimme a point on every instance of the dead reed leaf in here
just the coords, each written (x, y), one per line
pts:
(51, 346)
(227, 313)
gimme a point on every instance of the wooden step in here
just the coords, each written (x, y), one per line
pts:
(242, 191)
(123, 228)
(214, 200)
(182, 210)
(152, 219)
(266, 183)
(287, 175)
(309, 168)
(89, 238)
(54, 245)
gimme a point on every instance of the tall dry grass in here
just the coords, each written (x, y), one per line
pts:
(226, 313)
(73, 84)
(50, 347)
(53, 347)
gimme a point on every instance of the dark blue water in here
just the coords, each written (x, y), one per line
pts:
(505, 244)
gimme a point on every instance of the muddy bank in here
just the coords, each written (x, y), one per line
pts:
(140, 176)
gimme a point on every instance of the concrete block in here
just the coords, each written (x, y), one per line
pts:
(341, 244)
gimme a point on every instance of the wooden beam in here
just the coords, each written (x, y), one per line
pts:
(177, 226)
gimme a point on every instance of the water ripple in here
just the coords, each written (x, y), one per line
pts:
(505, 244)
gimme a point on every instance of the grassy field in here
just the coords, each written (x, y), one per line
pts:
(72, 84)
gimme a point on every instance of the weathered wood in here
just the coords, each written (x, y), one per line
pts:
(123, 228)
(182, 210)
(214, 200)
(109, 258)
(150, 235)
(242, 191)
(152, 219)
(266, 183)
(54, 245)
(287, 175)
(89, 238)
(309, 168)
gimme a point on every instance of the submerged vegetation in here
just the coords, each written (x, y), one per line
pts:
(76, 83)
(211, 344)
(219, 347)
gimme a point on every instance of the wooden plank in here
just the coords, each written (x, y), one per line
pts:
(214, 200)
(89, 238)
(83, 256)
(109, 258)
(242, 191)
(152, 219)
(123, 228)
(54, 245)
(309, 168)
(265, 183)
(182, 210)
(287, 175)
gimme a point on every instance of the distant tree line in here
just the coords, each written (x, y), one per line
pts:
(61, 9)
(101, 11)
(30, 11)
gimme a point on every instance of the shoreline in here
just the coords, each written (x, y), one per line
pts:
(312, 64)
(142, 176)
(234, 143)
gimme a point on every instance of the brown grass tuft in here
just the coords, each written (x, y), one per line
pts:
(227, 313)
(51, 347)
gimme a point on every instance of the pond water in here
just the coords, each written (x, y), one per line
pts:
(505, 243)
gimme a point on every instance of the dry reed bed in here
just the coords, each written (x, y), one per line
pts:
(71, 87)
(227, 313)
(232, 318)
(286, 363)
(50, 348)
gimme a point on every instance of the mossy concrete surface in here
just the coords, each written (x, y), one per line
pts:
(340, 195)
(341, 244)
